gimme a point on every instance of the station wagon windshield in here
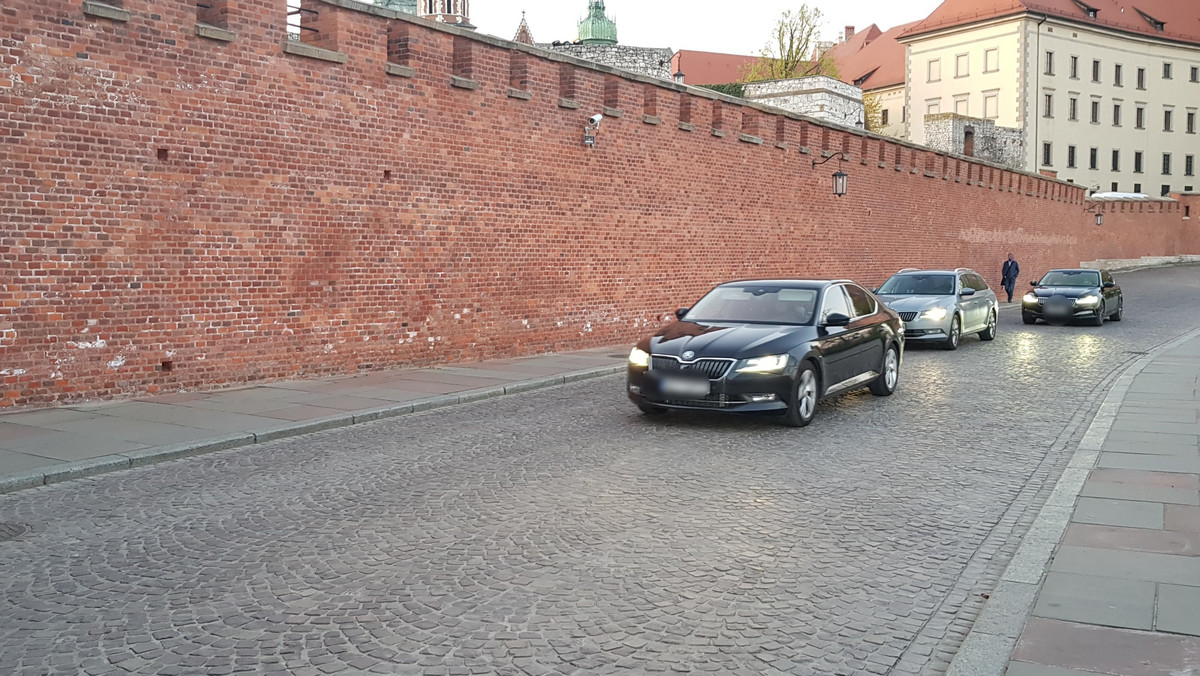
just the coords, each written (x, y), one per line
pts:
(1071, 278)
(755, 304)
(919, 285)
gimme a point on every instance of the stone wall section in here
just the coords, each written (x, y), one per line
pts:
(643, 60)
(185, 208)
(948, 133)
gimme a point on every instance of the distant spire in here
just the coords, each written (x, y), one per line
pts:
(597, 28)
(524, 35)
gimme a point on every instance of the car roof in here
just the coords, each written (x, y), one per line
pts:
(1075, 270)
(914, 271)
(799, 283)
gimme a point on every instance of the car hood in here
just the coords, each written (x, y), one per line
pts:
(1064, 291)
(733, 340)
(916, 303)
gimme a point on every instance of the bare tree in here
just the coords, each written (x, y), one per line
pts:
(793, 49)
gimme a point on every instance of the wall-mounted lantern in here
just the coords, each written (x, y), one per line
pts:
(1099, 214)
(1099, 218)
(840, 178)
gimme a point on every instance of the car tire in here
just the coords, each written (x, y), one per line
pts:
(805, 396)
(649, 409)
(1098, 320)
(990, 332)
(955, 335)
(1116, 316)
(889, 377)
(1028, 318)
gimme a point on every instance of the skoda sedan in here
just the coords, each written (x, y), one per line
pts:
(770, 347)
(940, 306)
(1084, 295)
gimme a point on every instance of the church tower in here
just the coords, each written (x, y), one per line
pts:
(453, 12)
(597, 29)
(524, 35)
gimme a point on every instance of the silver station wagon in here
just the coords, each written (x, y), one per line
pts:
(939, 306)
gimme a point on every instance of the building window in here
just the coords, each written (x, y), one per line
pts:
(1166, 190)
(883, 117)
(1167, 70)
(1049, 63)
(991, 106)
(1046, 154)
(962, 65)
(1137, 188)
(933, 106)
(1141, 78)
(1095, 70)
(1189, 165)
(934, 72)
(1070, 157)
(904, 114)
(1114, 186)
(1073, 108)
(1137, 162)
(991, 61)
(1118, 76)
(1167, 121)
(1048, 105)
(1116, 114)
(1140, 115)
(1195, 74)
(1116, 160)
(1191, 122)
(1166, 164)
(1074, 67)
(961, 106)
(1095, 112)
(1094, 158)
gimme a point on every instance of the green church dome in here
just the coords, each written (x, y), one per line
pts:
(597, 29)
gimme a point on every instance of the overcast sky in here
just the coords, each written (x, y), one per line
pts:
(736, 27)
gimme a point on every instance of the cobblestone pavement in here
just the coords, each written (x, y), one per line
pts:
(562, 532)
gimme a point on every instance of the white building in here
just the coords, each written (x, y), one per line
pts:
(1103, 96)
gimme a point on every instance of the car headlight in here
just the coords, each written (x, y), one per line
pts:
(1031, 298)
(1089, 300)
(774, 363)
(937, 314)
(639, 357)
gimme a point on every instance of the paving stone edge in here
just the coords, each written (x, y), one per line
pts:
(53, 474)
(987, 647)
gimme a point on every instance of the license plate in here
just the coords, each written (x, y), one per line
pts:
(690, 388)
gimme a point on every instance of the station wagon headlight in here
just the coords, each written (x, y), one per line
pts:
(1090, 300)
(639, 357)
(774, 363)
(937, 314)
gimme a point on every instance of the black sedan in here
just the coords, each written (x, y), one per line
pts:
(769, 346)
(1062, 296)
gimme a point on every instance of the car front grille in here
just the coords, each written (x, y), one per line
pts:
(908, 316)
(715, 369)
(711, 401)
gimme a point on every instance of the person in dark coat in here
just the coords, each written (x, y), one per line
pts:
(1009, 274)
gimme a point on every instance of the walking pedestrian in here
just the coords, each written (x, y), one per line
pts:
(1009, 274)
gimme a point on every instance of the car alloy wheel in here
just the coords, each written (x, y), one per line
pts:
(955, 333)
(990, 332)
(804, 404)
(887, 381)
(1116, 316)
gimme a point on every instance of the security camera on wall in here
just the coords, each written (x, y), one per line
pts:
(595, 120)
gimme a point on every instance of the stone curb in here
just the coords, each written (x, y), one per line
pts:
(53, 474)
(988, 646)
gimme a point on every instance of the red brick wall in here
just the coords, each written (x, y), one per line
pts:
(245, 214)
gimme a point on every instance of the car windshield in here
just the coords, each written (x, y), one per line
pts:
(1071, 278)
(918, 285)
(755, 304)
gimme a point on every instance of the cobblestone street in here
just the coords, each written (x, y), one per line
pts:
(560, 531)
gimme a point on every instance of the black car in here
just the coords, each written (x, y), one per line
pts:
(769, 346)
(1062, 296)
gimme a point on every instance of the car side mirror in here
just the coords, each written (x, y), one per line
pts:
(1033, 284)
(681, 312)
(875, 290)
(836, 319)
(967, 292)
(1109, 285)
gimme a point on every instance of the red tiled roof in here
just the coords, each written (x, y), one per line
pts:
(705, 68)
(1180, 18)
(873, 62)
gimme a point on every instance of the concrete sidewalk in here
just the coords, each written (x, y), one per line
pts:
(58, 444)
(1107, 581)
